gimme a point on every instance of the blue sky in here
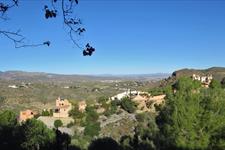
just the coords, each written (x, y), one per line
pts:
(130, 37)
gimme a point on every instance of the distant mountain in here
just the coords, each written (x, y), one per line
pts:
(45, 77)
(217, 72)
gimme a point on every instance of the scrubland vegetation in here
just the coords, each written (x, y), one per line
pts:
(193, 117)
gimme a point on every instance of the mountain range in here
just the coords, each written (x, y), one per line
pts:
(44, 77)
(217, 72)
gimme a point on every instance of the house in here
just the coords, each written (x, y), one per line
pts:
(27, 114)
(120, 95)
(82, 106)
(127, 93)
(205, 80)
(63, 106)
(66, 87)
(13, 86)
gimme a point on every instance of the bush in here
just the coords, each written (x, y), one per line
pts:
(8, 118)
(215, 84)
(156, 91)
(223, 83)
(128, 105)
(111, 109)
(92, 129)
(70, 124)
(186, 83)
(103, 99)
(2, 99)
(45, 113)
(76, 114)
(91, 115)
(58, 123)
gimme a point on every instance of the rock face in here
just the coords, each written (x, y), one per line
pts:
(115, 118)
(117, 125)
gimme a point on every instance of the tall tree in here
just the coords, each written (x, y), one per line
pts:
(191, 116)
(58, 123)
(36, 135)
(9, 139)
(128, 105)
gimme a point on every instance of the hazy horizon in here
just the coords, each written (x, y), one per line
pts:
(100, 74)
(107, 74)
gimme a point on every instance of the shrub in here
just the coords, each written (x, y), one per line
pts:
(128, 105)
(58, 123)
(92, 129)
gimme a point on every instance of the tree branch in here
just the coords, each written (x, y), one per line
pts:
(18, 39)
(66, 7)
(72, 23)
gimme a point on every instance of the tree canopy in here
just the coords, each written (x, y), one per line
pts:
(58, 123)
(192, 117)
(36, 135)
(128, 105)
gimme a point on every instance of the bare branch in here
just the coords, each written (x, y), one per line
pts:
(72, 23)
(18, 39)
(66, 8)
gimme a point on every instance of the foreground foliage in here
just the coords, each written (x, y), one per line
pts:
(193, 117)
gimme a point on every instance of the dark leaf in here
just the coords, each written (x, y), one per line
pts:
(47, 43)
(46, 15)
(16, 2)
(54, 14)
(85, 53)
(89, 50)
(46, 7)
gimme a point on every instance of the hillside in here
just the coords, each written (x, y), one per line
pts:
(36, 90)
(217, 72)
(61, 78)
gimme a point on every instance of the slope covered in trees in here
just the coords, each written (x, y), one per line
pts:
(192, 118)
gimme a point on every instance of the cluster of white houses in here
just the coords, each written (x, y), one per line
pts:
(142, 99)
(205, 80)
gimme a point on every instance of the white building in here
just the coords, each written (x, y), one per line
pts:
(205, 80)
(127, 93)
(13, 86)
